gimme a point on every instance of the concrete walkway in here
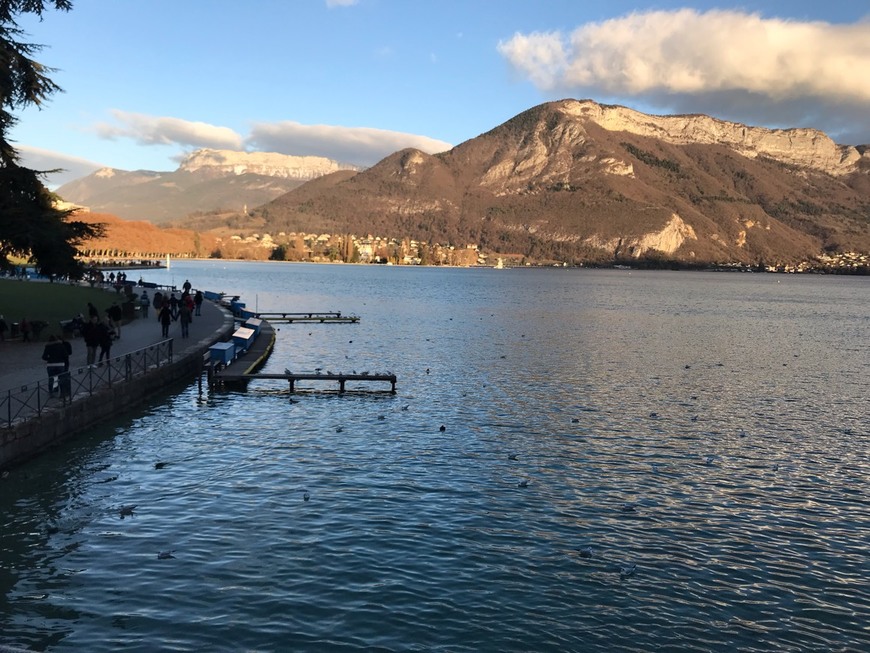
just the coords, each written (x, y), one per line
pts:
(21, 362)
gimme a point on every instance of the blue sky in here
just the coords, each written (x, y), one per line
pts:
(147, 81)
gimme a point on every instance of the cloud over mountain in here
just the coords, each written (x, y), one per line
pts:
(807, 73)
(361, 146)
(357, 145)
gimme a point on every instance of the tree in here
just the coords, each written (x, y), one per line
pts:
(30, 225)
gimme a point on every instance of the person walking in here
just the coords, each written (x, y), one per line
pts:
(184, 317)
(165, 318)
(197, 300)
(144, 303)
(116, 314)
(173, 305)
(55, 356)
(104, 328)
(3, 328)
(91, 335)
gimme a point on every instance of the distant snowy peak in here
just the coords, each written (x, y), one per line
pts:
(228, 162)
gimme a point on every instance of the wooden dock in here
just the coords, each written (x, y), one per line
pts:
(321, 317)
(292, 377)
(248, 362)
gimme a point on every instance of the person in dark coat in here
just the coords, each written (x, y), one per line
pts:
(165, 318)
(91, 335)
(197, 300)
(115, 314)
(184, 317)
(104, 328)
(56, 358)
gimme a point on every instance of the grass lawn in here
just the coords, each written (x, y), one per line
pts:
(49, 302)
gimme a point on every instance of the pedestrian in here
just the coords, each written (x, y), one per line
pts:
(55, 357)
(3, 328)
(115, 314)
(144, 303)
(106, 333)
(158, 301)
(184, 317)
(187, 300)
(165, 319)
(25, 330)
(173, 306)
(91, 334)
(92, 311)
(186, 286)
(197, 300)
(64, 377)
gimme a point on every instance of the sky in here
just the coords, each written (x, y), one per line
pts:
(146, 82)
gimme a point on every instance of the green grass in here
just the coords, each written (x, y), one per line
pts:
(49, 302)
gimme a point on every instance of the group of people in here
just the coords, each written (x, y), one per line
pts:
(99, 331)
(176, 309)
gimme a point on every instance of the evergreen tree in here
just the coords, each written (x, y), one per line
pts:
(30, 226)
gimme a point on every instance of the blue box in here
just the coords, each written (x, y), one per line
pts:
(243, 338)
(222, 352)
(254, 323)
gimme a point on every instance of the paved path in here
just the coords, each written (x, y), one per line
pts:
(21, 362)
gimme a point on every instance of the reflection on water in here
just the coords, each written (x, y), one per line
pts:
(708, 428)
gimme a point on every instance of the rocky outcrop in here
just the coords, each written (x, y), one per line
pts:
(809, 148)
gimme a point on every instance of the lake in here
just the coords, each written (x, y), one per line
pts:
(630, 461)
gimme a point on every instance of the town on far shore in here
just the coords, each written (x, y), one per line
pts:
(381, 250)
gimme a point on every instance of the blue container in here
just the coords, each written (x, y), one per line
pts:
(254, 323)
(243, 338)
(222, 352)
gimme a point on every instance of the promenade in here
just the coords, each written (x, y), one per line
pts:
(22, 362)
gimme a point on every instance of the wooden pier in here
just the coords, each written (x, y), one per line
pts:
(321, 317)
(227, 376)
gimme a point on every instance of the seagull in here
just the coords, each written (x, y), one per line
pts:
(709, 460)
(523, 483)
(126, 511)
(339, 429)
(306, 496)
(512, 456)
(406, 406)
(160, 465)
(628, 571)
(575, 420)
(164, 555)
(586, 552)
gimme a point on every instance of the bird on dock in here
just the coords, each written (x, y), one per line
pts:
(126, 511)
(165, 555)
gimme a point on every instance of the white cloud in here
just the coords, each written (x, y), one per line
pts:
(355, 145)
(728, 61)
(70, 167)
(340, 3)
(157, 130)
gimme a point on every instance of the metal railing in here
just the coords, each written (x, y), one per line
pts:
(34, 399)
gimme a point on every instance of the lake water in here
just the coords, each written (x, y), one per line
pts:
(694, 450)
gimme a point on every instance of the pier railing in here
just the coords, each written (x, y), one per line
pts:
(33, 399)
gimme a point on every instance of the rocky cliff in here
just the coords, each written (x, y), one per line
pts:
(808, 148)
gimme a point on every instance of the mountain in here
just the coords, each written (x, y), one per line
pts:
(579, 181)
(206, 180)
